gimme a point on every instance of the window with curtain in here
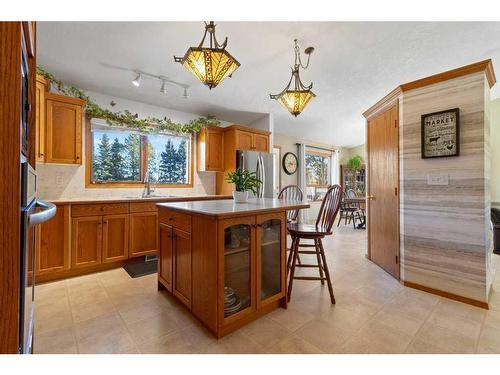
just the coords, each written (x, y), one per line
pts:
(123, 156)
(318, 173)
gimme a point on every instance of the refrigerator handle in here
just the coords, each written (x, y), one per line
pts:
(258, 175)
(263, 185)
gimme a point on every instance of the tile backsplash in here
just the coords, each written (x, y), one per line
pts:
(58, 181)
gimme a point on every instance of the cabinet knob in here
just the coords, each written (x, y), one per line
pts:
(171, 218)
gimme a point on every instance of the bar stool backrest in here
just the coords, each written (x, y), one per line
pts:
(291, 192)
(329, 209)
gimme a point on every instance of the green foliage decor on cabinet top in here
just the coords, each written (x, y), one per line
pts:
(127, 118)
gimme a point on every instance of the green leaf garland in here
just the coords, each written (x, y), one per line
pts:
(127, 118)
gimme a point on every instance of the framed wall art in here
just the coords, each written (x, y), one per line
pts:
(441, 134)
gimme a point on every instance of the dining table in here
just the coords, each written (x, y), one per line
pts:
(360, 201)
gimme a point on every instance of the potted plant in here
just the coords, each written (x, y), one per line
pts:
(243, 182)
(355, 162)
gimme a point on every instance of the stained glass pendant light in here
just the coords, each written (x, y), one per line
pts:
(295, 96)
(209, 64)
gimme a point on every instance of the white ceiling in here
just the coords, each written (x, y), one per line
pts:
(354, 65)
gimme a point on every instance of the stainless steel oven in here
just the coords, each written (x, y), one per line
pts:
(33, 212)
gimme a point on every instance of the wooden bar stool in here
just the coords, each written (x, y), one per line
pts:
(291, 192)
(326, 217)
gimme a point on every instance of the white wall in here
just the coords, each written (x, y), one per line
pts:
(289, 144)
(57, 181)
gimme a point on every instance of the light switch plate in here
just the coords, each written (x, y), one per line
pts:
(438, 179)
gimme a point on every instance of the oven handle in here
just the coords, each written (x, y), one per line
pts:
(48, 212)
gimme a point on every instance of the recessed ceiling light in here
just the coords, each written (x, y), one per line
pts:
(137, 80)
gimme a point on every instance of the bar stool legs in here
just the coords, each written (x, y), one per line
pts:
(324, 273)
(327, 273)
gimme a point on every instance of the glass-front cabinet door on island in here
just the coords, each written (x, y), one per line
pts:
(253, 263)
(238, 262)
(270, 244)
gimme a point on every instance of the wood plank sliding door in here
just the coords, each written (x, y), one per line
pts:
(383, 190)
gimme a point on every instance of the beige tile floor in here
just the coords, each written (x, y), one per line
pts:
(111, 313)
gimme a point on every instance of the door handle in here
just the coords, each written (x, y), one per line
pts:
(49, 211)
(370, 197)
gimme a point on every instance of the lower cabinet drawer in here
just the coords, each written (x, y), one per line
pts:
(143, 207)
(176, 219)
(78, 210)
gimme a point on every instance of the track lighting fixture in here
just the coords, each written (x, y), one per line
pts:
(163, 89)
(137, 80)
(165, 81)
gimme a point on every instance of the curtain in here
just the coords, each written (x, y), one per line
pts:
(301, 178)
(335, 166)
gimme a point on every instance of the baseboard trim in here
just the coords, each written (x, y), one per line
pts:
(452, 296)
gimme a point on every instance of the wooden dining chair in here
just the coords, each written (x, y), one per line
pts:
(291, 192)
(323, 227)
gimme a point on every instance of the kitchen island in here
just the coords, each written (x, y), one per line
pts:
(225, 261)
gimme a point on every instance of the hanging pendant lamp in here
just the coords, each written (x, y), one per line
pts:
(209, 64)
(296, 96)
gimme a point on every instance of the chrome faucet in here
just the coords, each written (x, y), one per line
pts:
(147, 186)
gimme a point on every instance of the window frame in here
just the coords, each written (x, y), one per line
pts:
(326, 154)
(89, 183)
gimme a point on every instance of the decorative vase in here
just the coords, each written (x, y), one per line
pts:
(240, 196)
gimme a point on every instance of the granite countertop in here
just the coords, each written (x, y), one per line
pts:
(139, 199)
(229, 208)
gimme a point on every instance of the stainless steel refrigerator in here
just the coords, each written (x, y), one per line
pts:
(262, 163)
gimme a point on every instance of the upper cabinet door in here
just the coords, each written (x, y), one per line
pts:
(244, 140)
(41, 89)
(210, 150)
(261, 142)
(215, 150)
(63, 129)
(115, 238)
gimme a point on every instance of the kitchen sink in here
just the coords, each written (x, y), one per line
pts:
(154, 196)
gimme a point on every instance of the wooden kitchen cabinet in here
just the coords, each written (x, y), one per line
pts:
(237, 137)
(41, 88)
(63, 129)
(210, 149)
(261, 142)
(115, 237)
(174, 266)
(240, 259)
(270, 242)
(143, 234)
(52, 250)
(244, 140)
(166, 256)
(86, 247)
(181, 261)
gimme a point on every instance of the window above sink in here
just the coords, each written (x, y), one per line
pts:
(121, 157)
